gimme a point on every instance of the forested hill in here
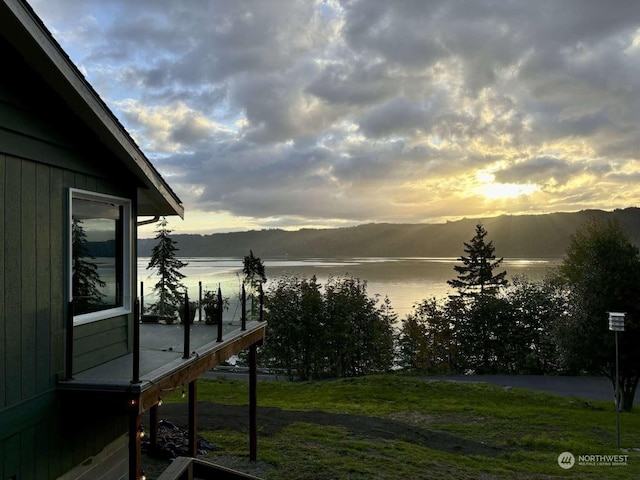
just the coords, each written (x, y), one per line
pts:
(512, 236)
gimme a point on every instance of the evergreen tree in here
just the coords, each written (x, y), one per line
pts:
(476, 276)
(254, 277)
(86, 282)
(338, 332)
(296, 334)
(253, 270)
(425, 341)
(169, 288)
(481, 327)
(602, 270)
(535, 308)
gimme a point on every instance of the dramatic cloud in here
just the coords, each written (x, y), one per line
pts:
(299, 113)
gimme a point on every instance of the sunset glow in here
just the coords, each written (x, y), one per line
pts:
(328, 113)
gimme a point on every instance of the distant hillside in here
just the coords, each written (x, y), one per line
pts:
(513, 236)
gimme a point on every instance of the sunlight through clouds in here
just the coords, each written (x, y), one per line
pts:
(166, 129)
(284, 113)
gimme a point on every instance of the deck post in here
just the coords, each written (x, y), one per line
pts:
(136, 342)
(243, 304)
(135, 449)
(219, 314)
(200, 301)
(187, 327)
(141, 299)
(153, 428)
(253, 403)
(68, 374)
(261, 318)
(193, 419)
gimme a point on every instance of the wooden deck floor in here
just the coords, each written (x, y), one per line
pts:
(162, 363)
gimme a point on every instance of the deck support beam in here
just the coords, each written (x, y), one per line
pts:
(193, 419)
(135, 447)
(153, 427)
(253, 403)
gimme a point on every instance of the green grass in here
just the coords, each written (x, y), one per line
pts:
(531, 429)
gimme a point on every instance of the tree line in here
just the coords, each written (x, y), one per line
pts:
(489, 326)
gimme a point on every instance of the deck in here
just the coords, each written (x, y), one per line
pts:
(164, 359)
(163, 367)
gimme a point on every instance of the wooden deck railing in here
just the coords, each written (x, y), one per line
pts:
(185, 468)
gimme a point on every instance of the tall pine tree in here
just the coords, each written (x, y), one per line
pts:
(86, 283)
(480, 328)
(169, 288)
(476, 276)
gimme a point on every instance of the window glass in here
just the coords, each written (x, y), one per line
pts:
(98, 254)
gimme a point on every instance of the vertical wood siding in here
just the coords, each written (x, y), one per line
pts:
(42, 155)
(33, 239)
(3, 370)
(44, 151)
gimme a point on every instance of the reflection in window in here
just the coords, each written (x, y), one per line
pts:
(97, 255)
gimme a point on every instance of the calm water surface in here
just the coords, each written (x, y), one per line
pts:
(404, 280)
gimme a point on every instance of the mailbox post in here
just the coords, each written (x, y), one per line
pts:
(616, 324)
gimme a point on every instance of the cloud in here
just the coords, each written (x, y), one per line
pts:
(169, 128)
(338, 112)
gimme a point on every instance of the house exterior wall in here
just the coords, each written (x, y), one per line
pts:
(44, 151)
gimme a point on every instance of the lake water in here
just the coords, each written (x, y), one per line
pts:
(404, 280)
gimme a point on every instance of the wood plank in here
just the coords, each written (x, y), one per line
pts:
(28, 123)
(12, 457)
(28, 278)
(42, 456)
(98, 357)
(135, 448)
(253, 403)
(12, 291)
(96, 328)
(193, 419)
(28, 450)
(68, 181)
(41, 152)
(55, 445)
(45, 378)
(103, 339)
(97, 345)
(57, 225)
(28, 413)
(177, 469)
(3, 316)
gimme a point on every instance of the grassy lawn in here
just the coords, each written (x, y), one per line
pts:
(529, 430)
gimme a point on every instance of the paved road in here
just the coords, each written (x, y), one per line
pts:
(587, 388)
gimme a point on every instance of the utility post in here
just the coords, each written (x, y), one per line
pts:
(616, 324)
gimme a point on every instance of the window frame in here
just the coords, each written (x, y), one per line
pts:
(125, 261)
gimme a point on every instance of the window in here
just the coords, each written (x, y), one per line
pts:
(100, 255)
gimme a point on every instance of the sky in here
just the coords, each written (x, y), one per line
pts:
(312, 114)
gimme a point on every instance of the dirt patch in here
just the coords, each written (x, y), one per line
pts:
(425, 420)
(271, 420)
